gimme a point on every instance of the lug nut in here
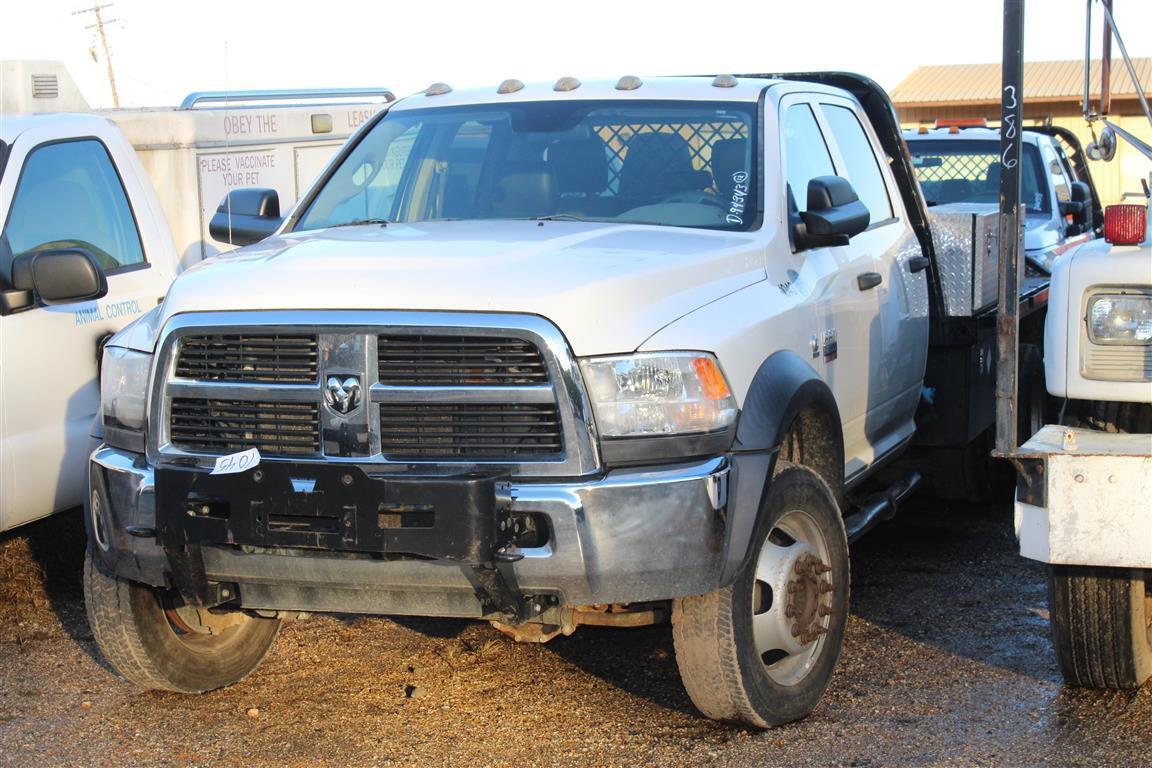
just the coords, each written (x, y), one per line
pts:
(825, 588)
(825, 610)
(795, 630)
(789, 610)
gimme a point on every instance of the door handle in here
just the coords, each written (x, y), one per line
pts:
(917, 264)
(868, 280)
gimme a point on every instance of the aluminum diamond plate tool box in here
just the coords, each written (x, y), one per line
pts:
(967, 240)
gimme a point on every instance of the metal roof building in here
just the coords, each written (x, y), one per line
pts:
(1046, 84)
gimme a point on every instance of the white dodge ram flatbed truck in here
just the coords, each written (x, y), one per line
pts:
(546, 355)
(957, 164)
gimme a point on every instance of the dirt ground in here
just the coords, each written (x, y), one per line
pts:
(947, 662)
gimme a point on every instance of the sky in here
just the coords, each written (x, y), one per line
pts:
(162, 50)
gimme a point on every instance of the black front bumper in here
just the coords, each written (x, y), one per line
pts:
(464, 518)
(632, 535)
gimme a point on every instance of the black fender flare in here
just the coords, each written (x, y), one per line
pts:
(784, 387)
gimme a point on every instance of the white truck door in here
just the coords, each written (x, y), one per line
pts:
(844, 316)
(898, 338)
(64, 193)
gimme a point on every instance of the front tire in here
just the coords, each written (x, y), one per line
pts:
(1101, 625)
(761, 652)
(154, 642)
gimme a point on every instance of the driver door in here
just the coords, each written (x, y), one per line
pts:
(63, 193)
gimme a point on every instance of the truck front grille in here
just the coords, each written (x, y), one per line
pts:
(373, 387)
(227, 426)
(241, 358)
(1117, 363)
(488, 431)
(411, 360)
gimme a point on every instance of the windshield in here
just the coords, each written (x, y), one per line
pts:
(687, 164)
(968, 171)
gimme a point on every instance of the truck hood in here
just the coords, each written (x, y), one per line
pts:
(1041, 232)
(607, 287)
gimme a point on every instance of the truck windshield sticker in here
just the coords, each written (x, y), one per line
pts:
(236, 462)
(739, 196)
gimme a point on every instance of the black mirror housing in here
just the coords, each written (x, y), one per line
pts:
(1079, 207)
(60, 276)
(835, 214)
(246, 216)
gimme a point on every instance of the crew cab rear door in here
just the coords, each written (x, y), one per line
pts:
(64, 190)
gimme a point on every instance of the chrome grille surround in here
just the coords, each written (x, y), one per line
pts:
(347, 345)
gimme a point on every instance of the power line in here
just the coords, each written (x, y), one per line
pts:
(99, 27)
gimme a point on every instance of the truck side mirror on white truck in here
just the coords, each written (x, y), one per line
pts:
(246, 216)
(60, 276)
(1079, 207)
(835, 214)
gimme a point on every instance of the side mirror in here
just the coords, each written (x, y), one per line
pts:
(246, 216)
(62, 276)
(835, 214)
(1079, 207)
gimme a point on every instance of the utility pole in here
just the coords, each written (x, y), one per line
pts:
(1008, 315)
(99, 27)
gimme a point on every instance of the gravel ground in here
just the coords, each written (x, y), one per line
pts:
(947, 662)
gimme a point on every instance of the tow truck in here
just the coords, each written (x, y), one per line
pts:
(1084, 483)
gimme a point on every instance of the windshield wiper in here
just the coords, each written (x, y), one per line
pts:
(360, 222)
(559, 217)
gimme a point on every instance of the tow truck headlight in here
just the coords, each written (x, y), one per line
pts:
(123, 392)
(1120, 319)
(658, 393)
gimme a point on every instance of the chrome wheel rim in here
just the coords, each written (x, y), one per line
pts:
(793, 597)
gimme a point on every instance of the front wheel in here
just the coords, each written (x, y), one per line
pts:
(761, 651)
(156, 642)
(1101, 625)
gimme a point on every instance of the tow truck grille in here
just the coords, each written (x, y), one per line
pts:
(238, 358)
(490, 431)
(459, 361)
(226, 426)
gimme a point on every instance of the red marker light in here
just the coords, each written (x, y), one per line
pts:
(1125, 224)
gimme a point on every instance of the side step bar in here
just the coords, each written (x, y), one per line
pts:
(880, 506)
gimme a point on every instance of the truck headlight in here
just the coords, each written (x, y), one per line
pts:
(123, 393)
(1120, 319)
(658, 393)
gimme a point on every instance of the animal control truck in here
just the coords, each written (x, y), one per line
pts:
(212, 142)
(547, 355)
(75, 183)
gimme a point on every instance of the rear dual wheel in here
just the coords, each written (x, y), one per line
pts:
(761, 651)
